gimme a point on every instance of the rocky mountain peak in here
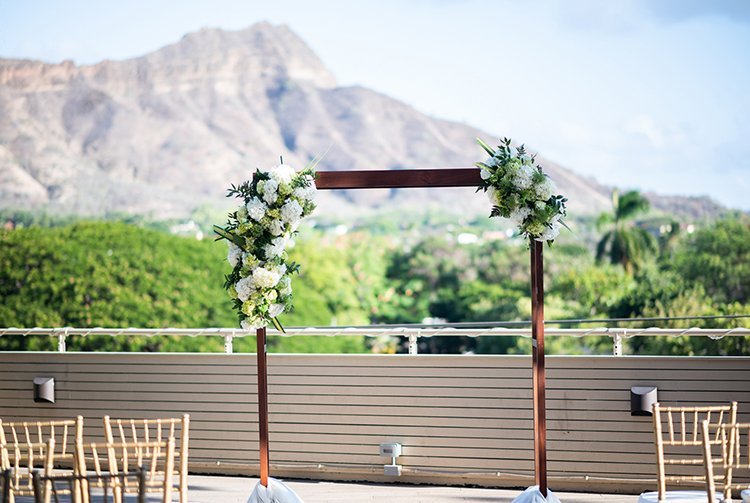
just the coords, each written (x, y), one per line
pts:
(262, 49)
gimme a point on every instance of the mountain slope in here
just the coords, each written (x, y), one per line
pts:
(168, 131)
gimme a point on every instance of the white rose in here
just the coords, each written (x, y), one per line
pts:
(234, 254)
(275, 309)
(282, 173)
(256, 209)
(484, 174)
(264, 278)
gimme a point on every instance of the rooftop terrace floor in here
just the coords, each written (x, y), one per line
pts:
(214, 489)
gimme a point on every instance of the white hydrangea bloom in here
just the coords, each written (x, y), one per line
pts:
(270, 189)
(523, 178)
(234, 254)
(545, 189)
(244, 288)
(282, 173)
(484, 174)
(275, 309)
(492, 195)
(275, 248)
(265, 278)
(291, 212)
(306, 193)
(491, 162)
(280, 270)
(256, 209)
(276, 227)
(520, 215)
(550, 233)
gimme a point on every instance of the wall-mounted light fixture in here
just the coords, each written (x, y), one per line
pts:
(391, 450)
(44, 389)
(642, 400)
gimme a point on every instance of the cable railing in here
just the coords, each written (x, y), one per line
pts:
(413, 333)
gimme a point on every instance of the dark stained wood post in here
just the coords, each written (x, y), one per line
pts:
(470, 177)
(537, 358)
(260, 335)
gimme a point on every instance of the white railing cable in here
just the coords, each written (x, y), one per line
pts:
(375, 331)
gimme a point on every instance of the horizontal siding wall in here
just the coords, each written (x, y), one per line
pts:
(460, 418)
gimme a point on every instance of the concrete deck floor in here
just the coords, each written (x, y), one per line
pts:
(215, 489)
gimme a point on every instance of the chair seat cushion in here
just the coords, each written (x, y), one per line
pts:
(745, 496)
(677, 497)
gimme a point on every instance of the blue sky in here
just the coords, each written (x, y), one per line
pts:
(649, 94)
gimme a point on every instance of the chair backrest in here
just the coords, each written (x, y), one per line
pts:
(5, 478)
(98, 487)
(677, 435)
(65, 433)
(155, 458)
(159, 430)
(19, 460)
(735, 456)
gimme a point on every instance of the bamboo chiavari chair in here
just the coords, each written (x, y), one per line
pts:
(135, 430)
(64, 433)
(98, 487)
(735, 455)
(155, 458)
(679, 445)
(19, 461)
(5, 477)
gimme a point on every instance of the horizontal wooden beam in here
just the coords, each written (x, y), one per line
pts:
(398, 179)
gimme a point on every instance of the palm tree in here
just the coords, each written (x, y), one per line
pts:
(625, 243)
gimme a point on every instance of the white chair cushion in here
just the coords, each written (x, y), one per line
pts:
(677, 497)
(745, 496)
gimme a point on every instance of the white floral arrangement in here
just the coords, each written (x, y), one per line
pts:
(519, 190)
(274, 203)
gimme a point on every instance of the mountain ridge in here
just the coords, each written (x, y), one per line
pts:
(169, 130)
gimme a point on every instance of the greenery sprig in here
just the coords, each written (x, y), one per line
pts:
(519, 190)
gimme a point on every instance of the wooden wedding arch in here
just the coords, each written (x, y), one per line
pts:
(425, 178)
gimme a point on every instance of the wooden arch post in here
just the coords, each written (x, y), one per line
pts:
(430, 178)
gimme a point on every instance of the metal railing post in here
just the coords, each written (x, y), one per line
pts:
(617, 342)
(229, 343)
(413, 344)
(61, 341)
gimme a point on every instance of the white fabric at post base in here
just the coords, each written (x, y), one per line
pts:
(276, 492)
(534, 495)
(745, 496)
(677, 497)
